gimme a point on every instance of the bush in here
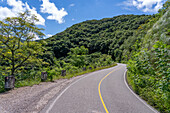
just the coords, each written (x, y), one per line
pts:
(149, 73)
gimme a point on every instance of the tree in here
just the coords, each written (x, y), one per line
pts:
(17, 45)
(78, 56)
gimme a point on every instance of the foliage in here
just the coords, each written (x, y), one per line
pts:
(17, 50)
(148, 68)
(140, 40)
(165, 7)
(149, 71)
(77, 56)
(107, 36)
(1, 80)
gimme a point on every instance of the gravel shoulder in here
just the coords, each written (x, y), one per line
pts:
(31, 99)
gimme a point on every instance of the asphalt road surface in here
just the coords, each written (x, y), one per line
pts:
(103, 91)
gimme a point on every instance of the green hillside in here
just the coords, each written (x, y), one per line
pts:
(108, 36)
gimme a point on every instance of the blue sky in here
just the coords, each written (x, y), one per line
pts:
(57, 15)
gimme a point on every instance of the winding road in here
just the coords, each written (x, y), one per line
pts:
(103, 91)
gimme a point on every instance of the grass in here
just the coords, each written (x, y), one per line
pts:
(27, 83)
(131, 83)
(70, 75)
(87, 71)
(31, 82)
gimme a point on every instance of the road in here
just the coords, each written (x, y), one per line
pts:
(103, 91)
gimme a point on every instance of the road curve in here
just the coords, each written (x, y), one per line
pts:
(103, 91)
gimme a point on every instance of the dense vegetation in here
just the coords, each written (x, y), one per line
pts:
(141, 41)
(108, 36)
(24, 59)
(18, 52)
(149, 66)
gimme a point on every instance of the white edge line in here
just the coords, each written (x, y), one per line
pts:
(137, 95)
(51, 106)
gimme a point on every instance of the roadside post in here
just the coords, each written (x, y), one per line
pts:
(9, 82)
(63, 73)
(84, 68)
(43, 76)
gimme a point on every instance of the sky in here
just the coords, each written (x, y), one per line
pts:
(57, 15)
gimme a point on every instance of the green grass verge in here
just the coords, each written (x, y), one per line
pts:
(27, 83)
(131, 83)
(87, 71)
(31, 82)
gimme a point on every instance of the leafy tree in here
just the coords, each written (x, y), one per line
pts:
(78, 51)
(78, 56)
(17, 46)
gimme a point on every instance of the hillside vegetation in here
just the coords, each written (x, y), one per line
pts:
(108, 36)
(141, 41)
(149, 66)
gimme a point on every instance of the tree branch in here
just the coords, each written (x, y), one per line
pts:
(22, 62)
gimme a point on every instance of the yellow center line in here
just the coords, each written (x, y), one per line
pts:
(100, 91)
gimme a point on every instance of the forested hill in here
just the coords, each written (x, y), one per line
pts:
(109, 36)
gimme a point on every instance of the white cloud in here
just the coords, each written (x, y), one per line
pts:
(55, 14)
(19, 7)
(49, 35)
(34, 12)
(5, 12)
(72, 5)
(145, 5)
